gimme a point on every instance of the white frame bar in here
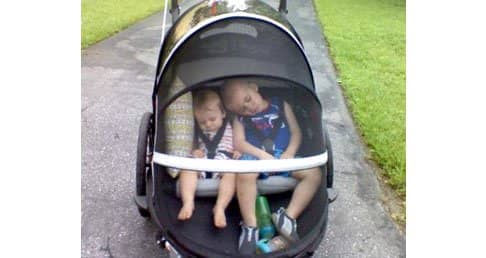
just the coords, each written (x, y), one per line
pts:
(240, 166)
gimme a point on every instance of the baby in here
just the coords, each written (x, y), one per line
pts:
(214, 140)
(266, 128)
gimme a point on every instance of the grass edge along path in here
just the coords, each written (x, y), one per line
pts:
(367, 44)
(103, 18)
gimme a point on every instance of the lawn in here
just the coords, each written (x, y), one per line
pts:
(367, 44)
(103, 18)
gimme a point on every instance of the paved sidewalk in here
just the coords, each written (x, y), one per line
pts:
(117, 78)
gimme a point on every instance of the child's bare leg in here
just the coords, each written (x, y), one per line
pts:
(309, 182)
(188, 184)
(226, 192)
(246, 191)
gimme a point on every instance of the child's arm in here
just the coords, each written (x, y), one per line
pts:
(236, 154)
(295, 133)
(240, 143)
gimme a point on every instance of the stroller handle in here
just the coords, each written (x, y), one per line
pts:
(240, 166)
(282, 7)
(174, 10)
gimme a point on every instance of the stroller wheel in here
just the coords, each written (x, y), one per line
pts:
(330, 161)
(141, 202)
(307, 254)
(332, 194)
(144, 156)
(143, 212)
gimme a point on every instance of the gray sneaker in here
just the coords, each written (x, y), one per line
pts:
(286, 226)
(248, 240)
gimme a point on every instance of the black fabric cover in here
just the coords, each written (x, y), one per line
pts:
(198, 237)
(238, 47)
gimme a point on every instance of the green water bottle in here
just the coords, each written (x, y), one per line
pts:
(264, 218)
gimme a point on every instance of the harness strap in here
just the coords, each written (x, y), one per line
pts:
(211, 145)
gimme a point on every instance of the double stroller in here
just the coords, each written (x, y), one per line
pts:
(209, 43)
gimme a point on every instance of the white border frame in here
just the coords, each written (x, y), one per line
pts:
(240, 166)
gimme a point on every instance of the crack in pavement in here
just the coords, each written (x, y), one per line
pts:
(107, 248)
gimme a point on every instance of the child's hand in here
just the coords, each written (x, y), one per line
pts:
(198, 153)
(236, 154)
(286, 155)
(265, 155)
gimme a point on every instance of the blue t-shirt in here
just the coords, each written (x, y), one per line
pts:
(264, 122)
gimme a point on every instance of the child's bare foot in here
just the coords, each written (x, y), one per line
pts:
(219, 217)
(186, 211)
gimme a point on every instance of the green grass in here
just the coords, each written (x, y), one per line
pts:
(367, 43)
(103, 18)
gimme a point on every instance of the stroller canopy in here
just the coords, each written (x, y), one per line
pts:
(210, 43)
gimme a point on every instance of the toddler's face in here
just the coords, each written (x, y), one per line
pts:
(245, 100)
(209, 117)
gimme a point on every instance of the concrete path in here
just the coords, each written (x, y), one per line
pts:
(117, 79)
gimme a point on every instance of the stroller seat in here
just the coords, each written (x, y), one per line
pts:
(271, 185)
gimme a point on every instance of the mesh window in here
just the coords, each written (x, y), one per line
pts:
(179, 125)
